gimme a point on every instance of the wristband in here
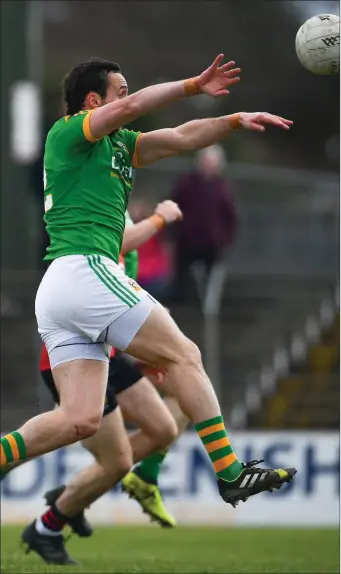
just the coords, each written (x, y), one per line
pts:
(157, 221)
(234, 121)
(192, 87)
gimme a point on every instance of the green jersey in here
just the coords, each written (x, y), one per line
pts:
(87, 186)
(131, 259)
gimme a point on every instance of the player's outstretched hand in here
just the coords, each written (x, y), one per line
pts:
(255, 121)
(216, 79)
(169, 211)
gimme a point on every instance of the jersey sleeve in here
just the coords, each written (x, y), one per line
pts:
(130, 139)
(74, 131)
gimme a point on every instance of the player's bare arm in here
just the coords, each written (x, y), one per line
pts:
(214, 81)
(165, 213)
(199, 134)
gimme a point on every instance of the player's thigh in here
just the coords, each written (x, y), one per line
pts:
(142, 405)
(160, 342)
(81, 385)
(110, 398)
(110, 445)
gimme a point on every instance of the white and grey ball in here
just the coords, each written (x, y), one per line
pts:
(318, 44)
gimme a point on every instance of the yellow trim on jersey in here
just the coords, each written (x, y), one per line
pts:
(86, 128)
(135, 161)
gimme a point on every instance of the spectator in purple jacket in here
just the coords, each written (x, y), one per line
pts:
(209, 220)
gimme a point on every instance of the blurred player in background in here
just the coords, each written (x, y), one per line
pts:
(85, 303)
(155, 256)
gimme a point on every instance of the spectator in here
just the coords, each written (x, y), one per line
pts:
(155, 269)
(209, 222)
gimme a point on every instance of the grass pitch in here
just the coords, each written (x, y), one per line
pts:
(150, 549)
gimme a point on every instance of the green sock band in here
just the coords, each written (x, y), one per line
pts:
(8, 449)
(210, 422)
(149, 468)
(21, 444)
(214, 437)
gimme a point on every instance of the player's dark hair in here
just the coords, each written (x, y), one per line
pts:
(89, 76)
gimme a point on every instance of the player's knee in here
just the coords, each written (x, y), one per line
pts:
(87, 425)
(167, 433)
(194, 354)
(190, 356)
(118, 466)
(183, 353)
(124, 464)
(79, 426)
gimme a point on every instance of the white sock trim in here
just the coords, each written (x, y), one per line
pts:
(41, 528)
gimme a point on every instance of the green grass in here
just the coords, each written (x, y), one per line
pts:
(196, 550)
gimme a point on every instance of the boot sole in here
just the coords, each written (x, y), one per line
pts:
(28, 547)
(238, 496)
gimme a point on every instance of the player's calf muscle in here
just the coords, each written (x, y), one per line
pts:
(74, 420)
(142, 405)
(160, 342)
(180, 418)
(44, 433)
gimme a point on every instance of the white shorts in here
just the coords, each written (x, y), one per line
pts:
(79, 298)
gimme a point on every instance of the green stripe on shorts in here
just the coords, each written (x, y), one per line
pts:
(109, 284)
(110, 276)
(104, 281)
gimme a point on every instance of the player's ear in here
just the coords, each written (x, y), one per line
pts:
(94, 100)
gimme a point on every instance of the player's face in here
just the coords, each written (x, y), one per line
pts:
(117, 88)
